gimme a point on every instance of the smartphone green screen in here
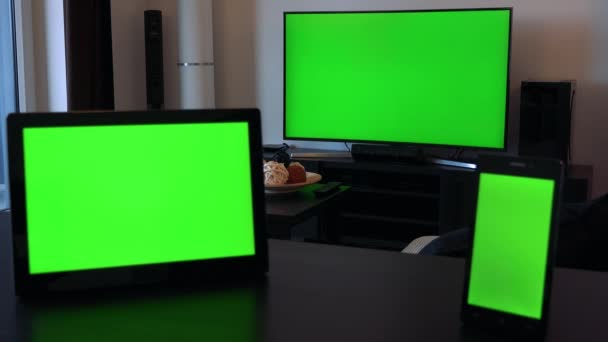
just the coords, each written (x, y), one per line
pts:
(431, 77)
(511, 244)
(123, 195)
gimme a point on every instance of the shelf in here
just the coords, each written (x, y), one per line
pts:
(388, 219)
(395, 192)
(390, 204)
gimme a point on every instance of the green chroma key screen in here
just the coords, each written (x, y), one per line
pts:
(434, 77)
(511, 244)
(124, 195)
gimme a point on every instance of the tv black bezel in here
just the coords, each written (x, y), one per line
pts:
(403, 143)
(148, 275)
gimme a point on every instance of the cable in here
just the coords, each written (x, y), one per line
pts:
(281, 156)
(18, 105)
(569, 156)
(348, 148)
(457, 154)
(453, 155)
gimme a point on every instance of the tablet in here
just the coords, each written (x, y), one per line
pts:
(110, 199)
(508, 279)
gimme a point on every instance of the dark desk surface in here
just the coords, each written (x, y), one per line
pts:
(312, 293)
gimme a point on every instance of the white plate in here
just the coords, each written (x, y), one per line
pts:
(311, 178)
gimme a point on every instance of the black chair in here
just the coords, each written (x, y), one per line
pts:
(455, 243)
(583, 235)
(582, 238)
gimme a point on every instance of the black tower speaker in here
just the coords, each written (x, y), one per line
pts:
(155, 91)
(545, 113)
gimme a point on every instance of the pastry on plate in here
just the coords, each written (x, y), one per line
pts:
(275, 173)
(297, 173)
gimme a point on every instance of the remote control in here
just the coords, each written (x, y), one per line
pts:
(274, 147)
(327, 189)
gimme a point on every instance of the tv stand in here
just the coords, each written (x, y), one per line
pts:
(449, 162)
(402, 153)
(392, 203)
(317, 155)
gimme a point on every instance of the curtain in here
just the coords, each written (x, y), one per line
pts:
(88, 31)
(8, 86)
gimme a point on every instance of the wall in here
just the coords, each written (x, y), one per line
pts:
(551, 40)
(234, 29)
(128, 48)
(129, 53)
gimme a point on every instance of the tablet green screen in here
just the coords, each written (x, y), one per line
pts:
(124, 195)
(511, 244)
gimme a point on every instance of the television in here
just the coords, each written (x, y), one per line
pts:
(126, 198)
(421, 77)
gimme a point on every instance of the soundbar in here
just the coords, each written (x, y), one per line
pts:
(403, 154)
(395, 153)
(447, 162)
(321, 155)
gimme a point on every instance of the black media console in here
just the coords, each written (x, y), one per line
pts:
(391, 203)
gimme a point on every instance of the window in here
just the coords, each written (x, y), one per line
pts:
(8, 89)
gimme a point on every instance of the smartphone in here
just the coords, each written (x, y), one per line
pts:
(509, 270)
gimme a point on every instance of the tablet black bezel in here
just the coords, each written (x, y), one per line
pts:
(476, 318)
(164, 274)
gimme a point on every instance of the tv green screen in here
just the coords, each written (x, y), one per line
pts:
(138, 194)
(511, 244)
(423, 77)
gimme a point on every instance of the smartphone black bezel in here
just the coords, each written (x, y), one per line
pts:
(475, 318)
